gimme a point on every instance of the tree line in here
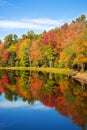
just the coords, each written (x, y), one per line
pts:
(65, 46)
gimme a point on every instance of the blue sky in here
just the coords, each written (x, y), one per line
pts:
(20, 16)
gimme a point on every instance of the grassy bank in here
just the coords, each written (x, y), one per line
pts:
(53, 70)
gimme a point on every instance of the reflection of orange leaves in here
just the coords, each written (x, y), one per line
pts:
(20, 90)
(61, 101)
(85, 112)
(44, 99)
(1, 88)
(48, 99)
(62, 106)
(62, 87)
(35, 87)
(77, 118)
(24, 93)
(79, 122)
(5, 80)
(75, 92)
(84, 94)
(5, 76)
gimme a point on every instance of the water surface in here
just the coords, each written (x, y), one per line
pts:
(41, 101)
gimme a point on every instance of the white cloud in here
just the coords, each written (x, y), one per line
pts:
(33, 24)
(4, 3)
(22, 25)
(36, 106)
(44, 21)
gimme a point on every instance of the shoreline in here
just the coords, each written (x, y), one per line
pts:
(79, 76)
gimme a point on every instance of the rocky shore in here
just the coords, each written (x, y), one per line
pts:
(82, 77)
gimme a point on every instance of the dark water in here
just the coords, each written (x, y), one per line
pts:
(41, 101)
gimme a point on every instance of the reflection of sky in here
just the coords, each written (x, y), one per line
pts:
(36, 105)
(2, 98)
(14, 104)
(8, 104)
(19, 115)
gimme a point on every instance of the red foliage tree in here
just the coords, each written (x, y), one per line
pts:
(1, 48)
(49, 38)
(5, 56)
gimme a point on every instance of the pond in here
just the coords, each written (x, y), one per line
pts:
(41, 101)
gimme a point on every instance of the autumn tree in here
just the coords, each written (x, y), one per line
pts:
(48, 55)
(24, 52)
(5, 57)
(1, 53)
(9, 40)
(35, 54)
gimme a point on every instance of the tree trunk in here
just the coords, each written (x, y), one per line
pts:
(83, 66)
(29, 60)
(50, 64)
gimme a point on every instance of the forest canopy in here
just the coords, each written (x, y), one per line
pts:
(65, 46)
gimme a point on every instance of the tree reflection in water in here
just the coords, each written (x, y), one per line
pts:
(67, 96)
